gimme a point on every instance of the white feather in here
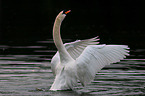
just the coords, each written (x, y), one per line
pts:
(95, 57)
(71, 47)
(80, 60)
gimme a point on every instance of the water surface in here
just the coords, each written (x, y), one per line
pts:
(25, 70)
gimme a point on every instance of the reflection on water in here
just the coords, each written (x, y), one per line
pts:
(25, 70)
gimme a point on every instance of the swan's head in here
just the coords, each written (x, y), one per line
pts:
(62, 14)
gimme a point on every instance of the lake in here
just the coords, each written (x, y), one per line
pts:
(25, 70)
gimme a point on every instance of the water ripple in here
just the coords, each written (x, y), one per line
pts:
(25, 70)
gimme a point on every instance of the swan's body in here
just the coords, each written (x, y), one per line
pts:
(80, 60)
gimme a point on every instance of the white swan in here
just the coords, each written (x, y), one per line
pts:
(80, 60)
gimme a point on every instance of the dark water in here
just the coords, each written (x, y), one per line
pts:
(25, 70)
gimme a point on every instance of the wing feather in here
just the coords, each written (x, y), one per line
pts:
(76, 48)
(95, 57)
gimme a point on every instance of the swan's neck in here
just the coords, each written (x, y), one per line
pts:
(64, 55)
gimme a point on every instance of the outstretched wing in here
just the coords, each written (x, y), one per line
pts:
(76, 48)
(95, 57)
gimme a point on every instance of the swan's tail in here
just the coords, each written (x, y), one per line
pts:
(64, 80)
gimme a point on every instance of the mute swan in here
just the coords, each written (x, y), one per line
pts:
(80, 60)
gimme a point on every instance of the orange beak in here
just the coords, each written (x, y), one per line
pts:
(67, 11)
